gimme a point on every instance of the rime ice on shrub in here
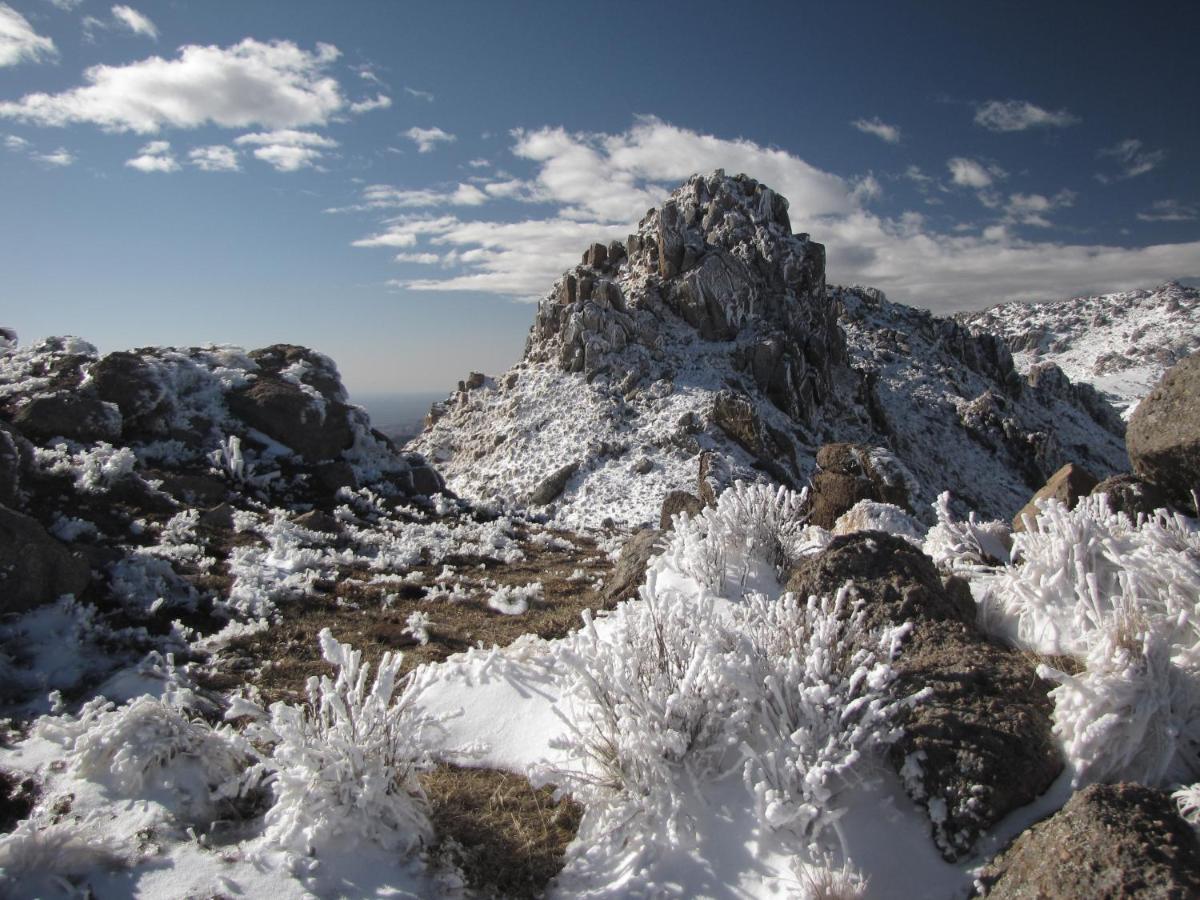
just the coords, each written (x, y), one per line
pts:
(348, 759)
(820, 684)
(966, 547)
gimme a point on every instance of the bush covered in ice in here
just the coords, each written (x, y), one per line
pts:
(819, 682)
(93, 469)
(652, 698)
(753, 528)
(966, 546)
(347, 759)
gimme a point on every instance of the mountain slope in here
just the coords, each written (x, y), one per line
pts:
(711, 329)
(1120, 343)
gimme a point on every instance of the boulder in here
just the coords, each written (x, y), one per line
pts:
(735, 415)
(1110, 840)
(71, 415)
(426, 481)
(317, 520)
(1066, 486)
(846, 475)
(595, 256)
(630, 571)
(1131, 495)
(128, 381)
(34, 567)
(981, 744)
(1163, 437)
(552, 485)
(678, 502)
(281, 410)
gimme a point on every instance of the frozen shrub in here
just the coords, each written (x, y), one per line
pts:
(1134, 714)
(823, 879)
(348, 759)
(93, 469)
(867, 515)
(150, 744)
(38, 852)
(751, 525)
(513, 600)
(1082, 565)
(1187, 801)
(821, 680)
(968, 546)
(653, 698)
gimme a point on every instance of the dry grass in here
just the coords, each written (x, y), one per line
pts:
(284, 656)
(507, 837)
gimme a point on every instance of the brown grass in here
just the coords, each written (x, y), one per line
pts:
(354, 611)
(507, 837)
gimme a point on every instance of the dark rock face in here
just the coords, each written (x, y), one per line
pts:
(70, 415)
(36, 568)
(630, 571)
(286, 413)
(16, 455)
(1131, 495)
(1164, 432)
(981, 745)
(1110, 840)
(1066, 485)
(678, 502)
(425, 479)
(127, 380)
(845, 475)
(552, 485)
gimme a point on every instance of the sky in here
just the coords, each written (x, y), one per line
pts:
(394, 184)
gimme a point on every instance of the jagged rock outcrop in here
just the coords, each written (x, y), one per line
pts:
(1131, 495)
(848, 473)
(1110, 840)
(980, 745)
(1164, 433)
(710, 330)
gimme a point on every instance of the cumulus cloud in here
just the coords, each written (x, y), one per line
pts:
(1132, 158)
(594, 187)
(972, 173)
(888, 133)
(276, 84)
(155, 156)
(19, 42)
(214, 158)
(381, 101)
(1170, 211)
(130, 18)
(427, 139)
(288, 150)
(1020, 115)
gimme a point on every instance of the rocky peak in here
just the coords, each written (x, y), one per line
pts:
(719, 255)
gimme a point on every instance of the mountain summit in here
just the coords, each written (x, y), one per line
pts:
(711, 331)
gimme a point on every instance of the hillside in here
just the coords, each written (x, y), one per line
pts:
(1120, 343)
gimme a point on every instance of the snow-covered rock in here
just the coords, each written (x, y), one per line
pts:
(711, 329)
(1119, 343)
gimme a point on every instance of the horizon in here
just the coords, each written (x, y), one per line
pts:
(391, 188)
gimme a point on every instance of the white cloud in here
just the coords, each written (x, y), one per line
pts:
(480, 163)
(866, 189)
(384, 196)
(59, 158)
(596, 186)
(381, 101)
(1032, 209)
(288, 150)
(972, 173)
(19, 42)
(1133, 159)
(424, 259)
(277, 85)
(66, 5)
(135, 21)
(888, 133)
(214, 158)
(14, 143)
(1169, 211)
(420, 95)
(1020, 115)
(155, 156)
(427, 139)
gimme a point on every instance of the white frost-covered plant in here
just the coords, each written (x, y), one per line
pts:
(652, 699)
(1083, 565)
(1134, 713)
(966, 546)
(822, 682)
(348, 759)
(150, 744)
(751, 525)
(94, 469)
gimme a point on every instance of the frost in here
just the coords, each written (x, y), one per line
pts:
(417, 626)
(94, 470)
(513, 600)
(348, 759)
(70, 529)
(969, 546)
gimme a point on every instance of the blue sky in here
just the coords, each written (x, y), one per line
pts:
(392, 182)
